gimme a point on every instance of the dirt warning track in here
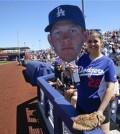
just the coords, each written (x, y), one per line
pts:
(18, 114)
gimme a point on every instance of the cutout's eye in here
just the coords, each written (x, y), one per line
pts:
(89, 41)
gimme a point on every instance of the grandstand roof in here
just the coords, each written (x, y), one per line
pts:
(14, 48)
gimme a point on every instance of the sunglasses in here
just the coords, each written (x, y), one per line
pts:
(94, 41)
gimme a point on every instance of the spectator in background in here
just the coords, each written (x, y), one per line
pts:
(105, 51)
(70, 86)
(58, 70)
(113, 55)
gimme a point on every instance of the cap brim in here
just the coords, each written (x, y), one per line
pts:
(48, 28)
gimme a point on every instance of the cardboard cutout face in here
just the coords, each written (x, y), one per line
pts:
(67, 38)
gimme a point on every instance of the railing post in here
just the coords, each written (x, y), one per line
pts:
(58, 129)
(47, 108)
(38, 93)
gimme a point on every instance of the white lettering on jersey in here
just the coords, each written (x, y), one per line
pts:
(89, 71)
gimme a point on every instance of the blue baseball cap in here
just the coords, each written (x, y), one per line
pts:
(66, 12)
(58, 62)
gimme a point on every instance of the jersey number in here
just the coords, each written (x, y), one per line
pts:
(94, 83)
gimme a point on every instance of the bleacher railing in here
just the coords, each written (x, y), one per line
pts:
(57, 112)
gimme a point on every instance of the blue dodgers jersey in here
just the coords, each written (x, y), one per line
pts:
(93, 76)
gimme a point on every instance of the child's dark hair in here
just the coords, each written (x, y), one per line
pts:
(99, 34)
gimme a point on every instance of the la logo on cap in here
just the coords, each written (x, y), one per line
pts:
(60, 12)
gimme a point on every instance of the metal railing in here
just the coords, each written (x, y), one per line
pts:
(57, 112)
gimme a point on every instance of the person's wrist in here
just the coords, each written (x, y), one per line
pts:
(100, 112)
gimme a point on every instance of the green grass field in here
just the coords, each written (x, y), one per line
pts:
(4, 62)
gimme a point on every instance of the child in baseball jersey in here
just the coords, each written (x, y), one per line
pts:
(97, 77)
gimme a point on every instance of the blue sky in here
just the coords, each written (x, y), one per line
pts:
(24, 21)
